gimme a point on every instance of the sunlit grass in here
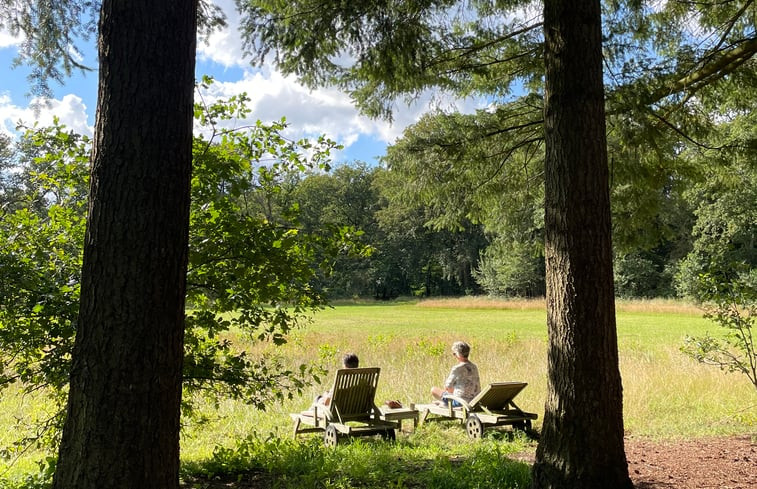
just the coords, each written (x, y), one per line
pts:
(666, 394)
(483, 302)
(434, 457)
(20, 415)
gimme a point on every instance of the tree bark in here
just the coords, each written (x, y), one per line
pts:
(581, 444)
(122, 424)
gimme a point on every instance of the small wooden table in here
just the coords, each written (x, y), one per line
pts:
(399, 414)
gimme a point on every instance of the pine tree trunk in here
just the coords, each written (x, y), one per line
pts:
(581, 444)
(122, 425)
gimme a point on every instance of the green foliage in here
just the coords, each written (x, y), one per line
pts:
(52, 33)
(672, 51)
(733, 306)
(429, 347)
(397, 49)
(42, 233)
(674, 73)
(250, 269)
(720, 271)
(343, 198)
(401, 255)
(513, 268)
(642, 274)
(434, 260)
(40, 480)
(485, 167)
(725, 230)
(250, 266)
(367, 463)
(445, 168)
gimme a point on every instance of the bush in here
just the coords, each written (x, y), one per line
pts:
(732, 305)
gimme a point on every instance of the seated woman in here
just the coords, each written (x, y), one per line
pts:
(463, 380)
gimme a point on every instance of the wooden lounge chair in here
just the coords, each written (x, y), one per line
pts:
(493, 406)
(351, 411)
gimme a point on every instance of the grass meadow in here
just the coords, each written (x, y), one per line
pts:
(666, 394)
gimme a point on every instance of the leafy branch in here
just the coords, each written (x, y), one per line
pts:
(732, 306)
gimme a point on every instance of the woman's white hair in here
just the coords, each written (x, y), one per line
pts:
(461, 348)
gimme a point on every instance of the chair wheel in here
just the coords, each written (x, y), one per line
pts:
(331, 437)
(474, 426)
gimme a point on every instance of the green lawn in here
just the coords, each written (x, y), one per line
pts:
(666, 394)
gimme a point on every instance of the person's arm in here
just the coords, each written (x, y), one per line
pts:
(325, 398)
(449, 384)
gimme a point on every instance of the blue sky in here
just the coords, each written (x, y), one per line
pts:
(309, 113)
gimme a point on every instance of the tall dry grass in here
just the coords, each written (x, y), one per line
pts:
(672, 306)
(666, 394)
(484, 302)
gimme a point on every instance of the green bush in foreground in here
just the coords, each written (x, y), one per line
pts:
(732, 306)
(40, 480)
(370, 463)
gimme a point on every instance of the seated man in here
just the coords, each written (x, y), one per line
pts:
(463, 380)
(349, 360)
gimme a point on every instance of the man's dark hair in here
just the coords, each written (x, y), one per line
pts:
(350, 360)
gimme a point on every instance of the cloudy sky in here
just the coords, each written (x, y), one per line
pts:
(309, 113)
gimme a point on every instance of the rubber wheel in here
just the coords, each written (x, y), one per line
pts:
(388, 435)
(331, 437)
(474, 427)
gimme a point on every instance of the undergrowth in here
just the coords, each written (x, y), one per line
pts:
(368, 463)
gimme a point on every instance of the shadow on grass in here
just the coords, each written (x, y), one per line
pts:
(258, 462)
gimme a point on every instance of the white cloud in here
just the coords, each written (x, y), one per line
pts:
(8, 40)
(224, 46)
(328, 111)
(70, 110)
(309, 112)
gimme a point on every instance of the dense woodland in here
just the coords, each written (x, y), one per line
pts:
(414, 242)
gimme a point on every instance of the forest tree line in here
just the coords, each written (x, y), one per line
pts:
(676, 215)
(674, 219)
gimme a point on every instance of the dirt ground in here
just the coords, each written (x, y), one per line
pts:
(713, 463)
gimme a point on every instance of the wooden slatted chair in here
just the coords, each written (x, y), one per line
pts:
(493, 406)
(352, 410)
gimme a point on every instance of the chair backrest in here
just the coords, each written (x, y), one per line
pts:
(352, 397)
(497, 395)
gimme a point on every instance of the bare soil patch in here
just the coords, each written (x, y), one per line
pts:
(710, 463)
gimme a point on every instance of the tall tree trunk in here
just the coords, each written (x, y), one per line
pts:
(122, 425)
(581, 445)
